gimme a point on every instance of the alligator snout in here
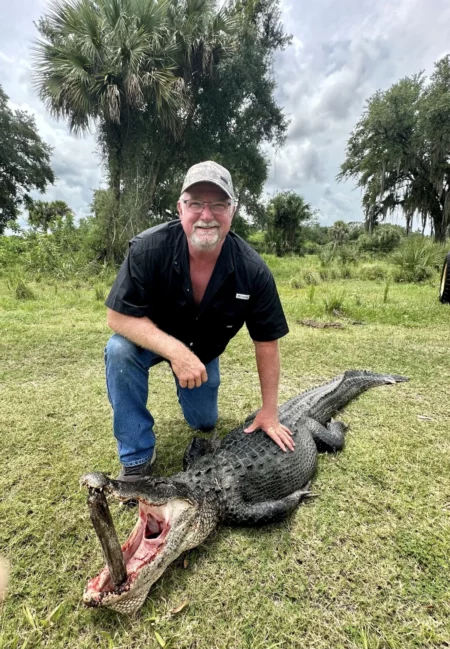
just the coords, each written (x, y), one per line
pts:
(94, 480)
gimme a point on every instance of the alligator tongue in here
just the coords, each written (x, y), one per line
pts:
(104, 527)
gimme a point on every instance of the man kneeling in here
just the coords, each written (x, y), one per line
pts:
(184, 290)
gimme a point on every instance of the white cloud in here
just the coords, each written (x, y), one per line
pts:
(348, 51)
(341, 53)
(6, 59)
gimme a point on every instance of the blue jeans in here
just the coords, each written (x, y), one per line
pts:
(127, 370)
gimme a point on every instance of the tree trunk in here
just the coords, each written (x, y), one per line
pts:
(371, 220)
(424, 222)
(113, 217)
(409, 220)
(440, 229)
(113, 144)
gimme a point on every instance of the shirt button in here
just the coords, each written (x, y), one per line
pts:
(191, 344)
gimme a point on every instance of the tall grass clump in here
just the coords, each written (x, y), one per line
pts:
(347, 254)
(334, 302)
(374, 272)
(100, 292)
(16, 283)
(23, 291)
(346, 272)
(417, 260)
(326, 255)
(310, 277)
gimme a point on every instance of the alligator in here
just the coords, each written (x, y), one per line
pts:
(246, 479)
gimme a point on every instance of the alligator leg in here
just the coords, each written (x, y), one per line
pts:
(269, 511)
(198, 447)
(329, 438)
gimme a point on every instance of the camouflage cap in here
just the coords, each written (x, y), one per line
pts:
(209, 172)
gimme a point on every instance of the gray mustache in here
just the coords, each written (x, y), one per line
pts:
(206, 226)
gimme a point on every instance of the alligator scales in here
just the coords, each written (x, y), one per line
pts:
(243, 480)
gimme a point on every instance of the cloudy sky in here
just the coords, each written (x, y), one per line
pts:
(342, 52)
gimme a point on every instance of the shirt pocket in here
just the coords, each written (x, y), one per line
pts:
(230, 319)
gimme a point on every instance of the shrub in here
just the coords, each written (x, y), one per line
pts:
(334, 272)
(310, 248)
(257, 241)
(326, 255)
(385, 239)
(12, 251)
(374, 272)
(417, 260)
(23, 291)
(334, 302)
(346, 272)
(295, 282)
(17, 284)
(310, 277)
(347, 255)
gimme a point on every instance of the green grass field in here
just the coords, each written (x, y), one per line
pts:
(365, 564)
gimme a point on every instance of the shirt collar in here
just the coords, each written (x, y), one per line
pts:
(224, 265)
(223, 268)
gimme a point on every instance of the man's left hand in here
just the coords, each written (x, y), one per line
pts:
(269, 423)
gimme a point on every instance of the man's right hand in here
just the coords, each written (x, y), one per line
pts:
(189, 370)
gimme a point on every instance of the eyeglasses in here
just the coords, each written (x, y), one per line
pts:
(197, 207)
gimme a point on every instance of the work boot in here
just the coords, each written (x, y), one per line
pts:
(134, 473)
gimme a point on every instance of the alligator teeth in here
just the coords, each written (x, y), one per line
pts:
(104, 528)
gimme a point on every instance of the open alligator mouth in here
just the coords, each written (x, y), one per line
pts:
(140, 549)
(136, 557)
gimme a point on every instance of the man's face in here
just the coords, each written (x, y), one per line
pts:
(206, 230)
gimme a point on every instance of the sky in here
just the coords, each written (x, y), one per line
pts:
(341, 53)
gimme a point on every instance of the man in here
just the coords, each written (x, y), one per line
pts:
(184, 290)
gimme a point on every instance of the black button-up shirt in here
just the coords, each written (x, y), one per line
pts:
(155, 281)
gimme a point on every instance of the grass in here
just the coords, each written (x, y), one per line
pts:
(364, 565)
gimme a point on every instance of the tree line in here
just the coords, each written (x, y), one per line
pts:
(168, 83)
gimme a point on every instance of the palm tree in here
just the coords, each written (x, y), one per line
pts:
(286, 212)
(339, 233)
(101, 62)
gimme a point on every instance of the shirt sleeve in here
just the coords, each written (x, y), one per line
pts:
(266, 321)
(130, 293)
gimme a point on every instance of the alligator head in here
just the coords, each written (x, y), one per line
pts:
(172, 519)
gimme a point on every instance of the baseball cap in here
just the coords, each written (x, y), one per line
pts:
(209, 172)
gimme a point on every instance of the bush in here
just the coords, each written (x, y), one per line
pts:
(374, 272)
(23, 291)
(310, 277)
(385, 239)
(346, 272)
(347, 255)
(296, 282)
(257, 241)
(417, 260)
(12, 252)
(15, 281)
(326, 255)
(334, 302)
(310, 248)
(330, 273)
